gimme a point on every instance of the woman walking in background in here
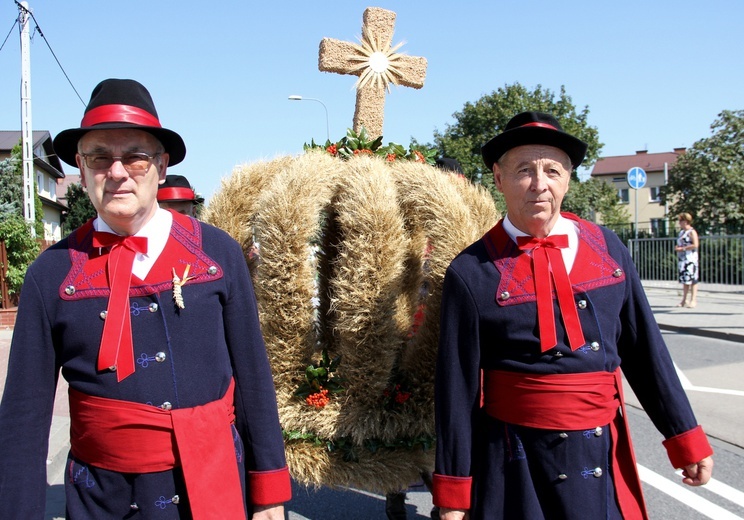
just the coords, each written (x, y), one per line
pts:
(687, 255)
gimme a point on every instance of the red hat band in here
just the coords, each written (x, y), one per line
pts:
(165, 194)
(118, 114)
(541, 125)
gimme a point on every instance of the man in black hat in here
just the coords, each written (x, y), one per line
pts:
(152, 319)
(177, 194)
(538, 317)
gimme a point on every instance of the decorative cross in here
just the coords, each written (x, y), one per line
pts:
(376, 63)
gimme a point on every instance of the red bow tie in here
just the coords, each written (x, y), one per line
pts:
(116, 350)
(547, 260)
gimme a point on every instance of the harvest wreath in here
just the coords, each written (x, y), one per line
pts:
(346, 247)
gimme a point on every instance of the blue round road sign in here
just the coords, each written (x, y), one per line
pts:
(636, 177)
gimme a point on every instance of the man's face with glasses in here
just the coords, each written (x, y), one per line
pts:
(121, 170)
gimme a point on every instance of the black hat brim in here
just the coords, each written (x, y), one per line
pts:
(575, 148)
(65, 143)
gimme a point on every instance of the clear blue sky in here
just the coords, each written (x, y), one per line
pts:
(654, 74)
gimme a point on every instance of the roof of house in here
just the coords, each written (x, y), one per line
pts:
(651, 162)
(10, 138)
(62, 185)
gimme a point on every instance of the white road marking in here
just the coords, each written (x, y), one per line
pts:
(687, 385)
(687, 497)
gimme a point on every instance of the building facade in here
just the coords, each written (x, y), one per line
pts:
(644, 204)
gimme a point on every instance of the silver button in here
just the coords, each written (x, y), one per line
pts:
(505, 295)
(618, 273)
(563, 435)
(594, 346)
(112, 368)
(166, 406)
(597, 472)
(70, 290)
(563, 476)
(160, 357)
(598, 431)
(176, 499)
(103, 315)
(133, 506)
(582, 304)
(558, 353)
(153, 307)
(212, 270)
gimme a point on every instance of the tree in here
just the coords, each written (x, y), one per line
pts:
(587, 199)
(22, 249)
(80, 208)
(11, 185)
(708, 179)
(480, 121)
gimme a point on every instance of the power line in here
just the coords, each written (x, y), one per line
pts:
(38, 29)
(8, 36)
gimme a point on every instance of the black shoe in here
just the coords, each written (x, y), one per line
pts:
(435, 513)
(395, 506)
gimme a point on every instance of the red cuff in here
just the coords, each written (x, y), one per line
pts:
(451, 492)
(269, 487)
(688, 448)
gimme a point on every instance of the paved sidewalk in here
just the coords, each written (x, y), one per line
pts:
(719, 314)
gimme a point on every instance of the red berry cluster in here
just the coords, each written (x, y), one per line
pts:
(318, 399)
(332, 150)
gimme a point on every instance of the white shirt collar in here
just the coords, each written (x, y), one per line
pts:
(157, 231)
(563, 226)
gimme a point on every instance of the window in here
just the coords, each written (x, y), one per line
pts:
(53, 189)
(658, 227)
(654, 194)
(624, 195)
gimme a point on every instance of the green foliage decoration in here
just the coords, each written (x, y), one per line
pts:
(362, 143)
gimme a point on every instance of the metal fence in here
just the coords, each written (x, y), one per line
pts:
(721, 259)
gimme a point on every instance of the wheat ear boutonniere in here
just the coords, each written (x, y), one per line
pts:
(178, 283)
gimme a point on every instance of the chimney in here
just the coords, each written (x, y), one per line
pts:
(641, 152)
(680, 151)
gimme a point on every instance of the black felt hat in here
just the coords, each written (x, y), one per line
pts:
(119, 103)
(177, 188)
(533, 128)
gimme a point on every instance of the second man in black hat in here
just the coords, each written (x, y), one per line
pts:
(538, 318)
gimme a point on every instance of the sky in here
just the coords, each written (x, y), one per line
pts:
(654, 75)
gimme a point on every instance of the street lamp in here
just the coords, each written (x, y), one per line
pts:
(300, 98)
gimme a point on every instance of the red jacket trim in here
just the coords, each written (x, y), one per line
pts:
(688, 448)
(451, 492)
(269, 487)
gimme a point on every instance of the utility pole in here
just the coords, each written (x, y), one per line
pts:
(27, 138)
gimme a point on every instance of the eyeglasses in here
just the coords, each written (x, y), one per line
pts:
(135, 162)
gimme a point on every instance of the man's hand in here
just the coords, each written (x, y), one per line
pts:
(273, 512)
(453, 514)
(698, 474)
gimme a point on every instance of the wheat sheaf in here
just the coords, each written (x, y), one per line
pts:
(350, 251)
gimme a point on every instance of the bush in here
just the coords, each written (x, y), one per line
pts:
(22, 250)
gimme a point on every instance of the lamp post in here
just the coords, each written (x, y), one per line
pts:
(300, 98)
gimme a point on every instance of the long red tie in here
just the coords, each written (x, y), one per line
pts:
(547, 260)
(116, 350)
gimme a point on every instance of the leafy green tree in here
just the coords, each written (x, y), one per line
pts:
(11, 185)
(480, 121)
(80, 208)
(587, 199)
(708, 179)
(21, 246)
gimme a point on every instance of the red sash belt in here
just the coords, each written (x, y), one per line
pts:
(571, 402)
(131, 437)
